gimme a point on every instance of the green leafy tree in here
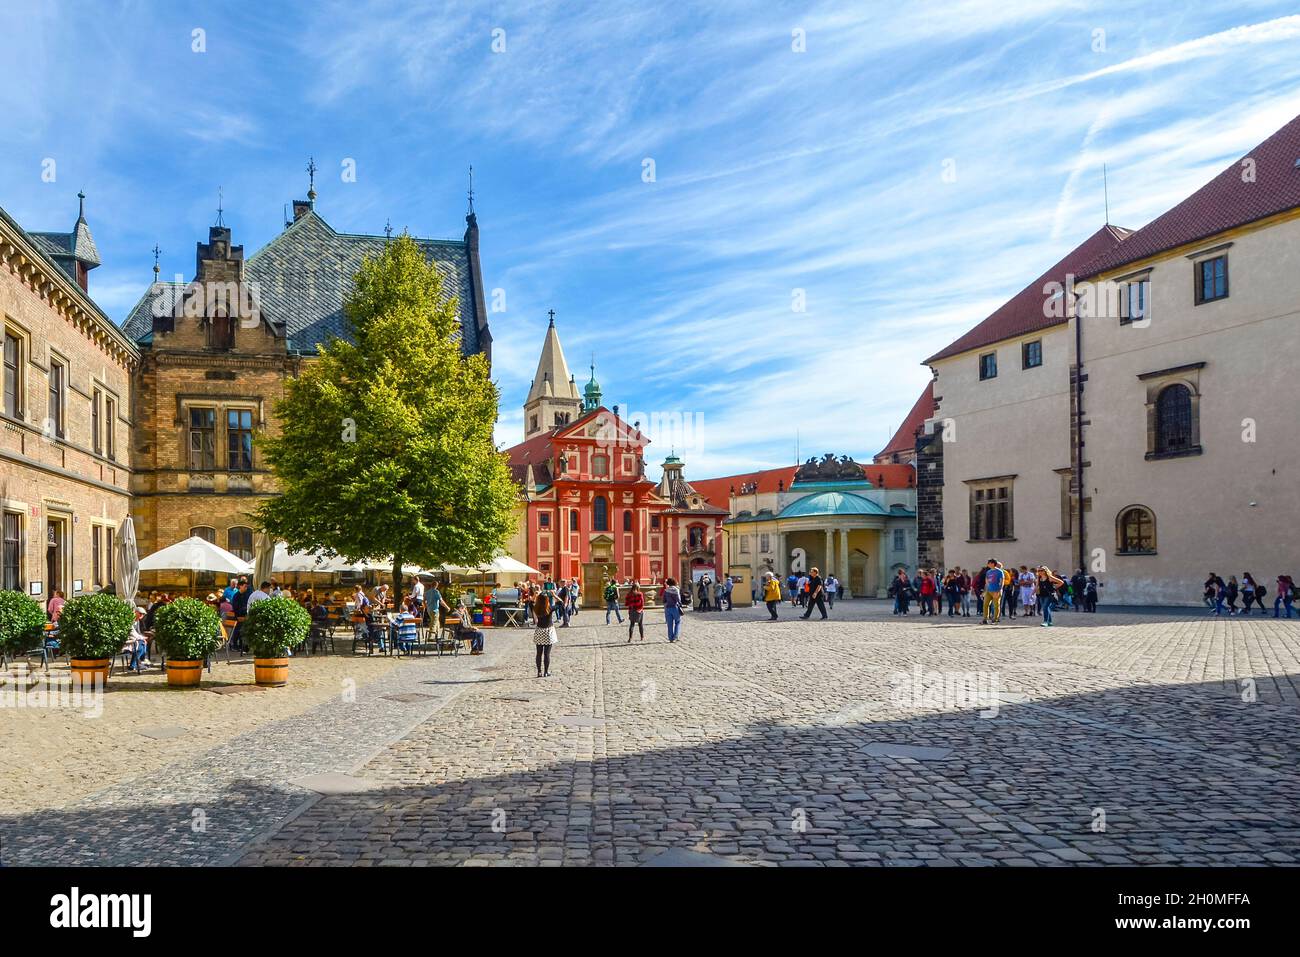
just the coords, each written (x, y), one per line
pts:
(386, 442)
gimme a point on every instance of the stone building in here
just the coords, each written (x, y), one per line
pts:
(996, 476)
(218, 350)
(857, 522)
(1142, 395)
(586, 507)
(65, 420)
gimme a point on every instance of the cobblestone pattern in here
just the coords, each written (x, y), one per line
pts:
(1120, 739)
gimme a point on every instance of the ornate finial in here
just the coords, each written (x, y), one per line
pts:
(311, 179)
(551, 313)
(388, 228)
(81, 209)
(471, 190)
(220, 203)
(156, 268)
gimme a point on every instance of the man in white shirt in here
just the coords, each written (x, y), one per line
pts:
(832, 589)
(417, 592)
(260, 594)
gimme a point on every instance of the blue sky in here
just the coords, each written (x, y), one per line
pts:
(775, 170)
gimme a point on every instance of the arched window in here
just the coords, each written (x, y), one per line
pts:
(627, 520)
(240, 541)
(1174, 418)
(600, 514)
(205, 532)
(1136, 531)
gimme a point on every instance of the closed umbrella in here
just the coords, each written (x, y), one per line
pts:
(264, 550)
(126, 562)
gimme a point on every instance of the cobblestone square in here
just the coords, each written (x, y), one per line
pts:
(1115, 738)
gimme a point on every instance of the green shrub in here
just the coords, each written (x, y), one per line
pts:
(95, 626)
(274, 624)
(22, 622)
(187, 630)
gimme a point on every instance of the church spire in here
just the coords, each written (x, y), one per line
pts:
(553, 398)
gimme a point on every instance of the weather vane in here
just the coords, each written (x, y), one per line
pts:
(311, 178)
(471, 190)
(156, 268)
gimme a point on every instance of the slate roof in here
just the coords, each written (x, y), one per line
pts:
(302, 277)
(1023, 313)
(904, 439)
(1230, 199)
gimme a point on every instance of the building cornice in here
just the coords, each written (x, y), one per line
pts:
(48, 281)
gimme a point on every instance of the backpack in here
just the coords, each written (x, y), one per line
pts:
(611, 592)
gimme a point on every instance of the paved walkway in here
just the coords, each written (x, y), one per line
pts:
(1109, 739)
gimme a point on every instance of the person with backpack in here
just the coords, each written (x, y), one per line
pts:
(562, 604)
(1232, 591)
(1252, 593)
(1220, 593)
(1090, 594)
(635, 611)
(672, 599)
(1285, 595)
(611, 601)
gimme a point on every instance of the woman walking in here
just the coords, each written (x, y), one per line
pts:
(771, 593)
(635, 605)
(672, 598)
(544, 633)
(1047, 585)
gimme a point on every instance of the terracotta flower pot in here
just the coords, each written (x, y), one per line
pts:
(184, 674)
(271, 672)
(84, 671)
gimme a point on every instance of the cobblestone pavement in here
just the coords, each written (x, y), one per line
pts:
(1108, 739)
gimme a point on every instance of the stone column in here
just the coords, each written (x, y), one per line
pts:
(843, 573)
(830, 553)
(782, 556)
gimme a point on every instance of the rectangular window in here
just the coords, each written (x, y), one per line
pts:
(203, 445)
(989, 365)
(96, 561)
(108, 553)
(654, 521)
(13, 366)
(239, 440)
(10, 553)
(900, 540)
(58, 384)
(764, 543)
(544, 520)
(1031, 354)
(1135, 302)
(110, 427)
(599, 466)
(1212, 279)
(744, 544)
(96, 398)
(990, 513)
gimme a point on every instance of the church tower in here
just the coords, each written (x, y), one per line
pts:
(553, 399)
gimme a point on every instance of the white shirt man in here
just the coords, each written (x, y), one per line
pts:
(258, 595)
(417, 591)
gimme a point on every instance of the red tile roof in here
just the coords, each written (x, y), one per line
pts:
(1230, 199)
(904, 439)
(1023, 313)
(717, 491)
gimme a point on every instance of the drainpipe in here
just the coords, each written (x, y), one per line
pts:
(1078, 432)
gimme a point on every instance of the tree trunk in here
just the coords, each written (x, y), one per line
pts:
(397, 582)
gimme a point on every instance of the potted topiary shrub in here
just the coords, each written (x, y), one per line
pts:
(92, 629)
(273, 626)
(22, 623)
(187, 631)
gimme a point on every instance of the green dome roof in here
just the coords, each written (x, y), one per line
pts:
(593, 387)
(831, 503)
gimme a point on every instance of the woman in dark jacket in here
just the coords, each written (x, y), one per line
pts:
(635, 605)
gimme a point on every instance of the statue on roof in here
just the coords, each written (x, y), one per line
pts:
(829, 469)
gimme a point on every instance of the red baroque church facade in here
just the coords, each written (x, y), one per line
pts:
(585, 499)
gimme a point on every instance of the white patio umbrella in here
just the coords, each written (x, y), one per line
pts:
(198, 555)
(126, 562)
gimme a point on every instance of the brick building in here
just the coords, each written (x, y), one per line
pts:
(218, 351)
(66, 415)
